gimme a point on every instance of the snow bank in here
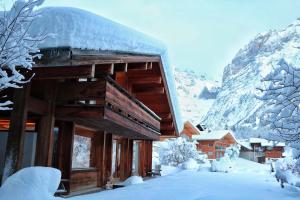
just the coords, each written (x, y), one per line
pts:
(227, 163)
(286, 171)
(168, 170)
(190, 164)
(32, 183)
(81, 29)
(133, 180)
(222, 165)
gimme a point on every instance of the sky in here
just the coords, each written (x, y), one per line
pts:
(201, 35)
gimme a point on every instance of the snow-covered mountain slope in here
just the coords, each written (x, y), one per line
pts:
(236, 106)
(196, 94)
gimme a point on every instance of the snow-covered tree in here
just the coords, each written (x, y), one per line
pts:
(282, 97)
(179, 150)
(17, 47)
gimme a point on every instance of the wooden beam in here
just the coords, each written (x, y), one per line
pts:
(121, 67)
(108, 157)
(37, 106)
(149, 65)
(166, 127)
(103, 69)
(80, 111)
(165, 115)
(149, 92)
(137, 66)
(145, 80)
(152, 99)
(64, 72)
(141, 74)
(99, 145)
(168, 133)
(76, 91)
(44, 146)
(16, 134)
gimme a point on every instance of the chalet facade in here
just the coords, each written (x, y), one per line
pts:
(116, 99)
(261, 150)
(214, 143)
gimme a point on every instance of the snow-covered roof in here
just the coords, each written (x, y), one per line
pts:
(266, 143)
(212, 135)
(81, 29)
(245, 144)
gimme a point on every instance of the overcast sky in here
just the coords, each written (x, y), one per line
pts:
(202, 35)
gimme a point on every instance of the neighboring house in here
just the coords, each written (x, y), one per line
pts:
(214, 143)
(261, 150)
(98, 82)
(189, 130)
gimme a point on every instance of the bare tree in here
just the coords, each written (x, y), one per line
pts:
(18, 48)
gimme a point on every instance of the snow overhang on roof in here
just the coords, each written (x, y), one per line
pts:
(76, 28)
(212, 135)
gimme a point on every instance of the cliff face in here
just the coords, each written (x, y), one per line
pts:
(236, 105)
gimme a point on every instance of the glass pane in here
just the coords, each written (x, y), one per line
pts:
(81, 152)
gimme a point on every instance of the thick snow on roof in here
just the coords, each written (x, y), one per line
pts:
(212, 135)
(77, 28)
(245, 144)
(266, 143)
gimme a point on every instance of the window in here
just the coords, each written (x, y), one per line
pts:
(210, 144)
(81, 152)
(210, 153)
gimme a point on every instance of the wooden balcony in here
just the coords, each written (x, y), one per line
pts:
(104, 105)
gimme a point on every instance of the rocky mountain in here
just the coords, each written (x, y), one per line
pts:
(236, 105)
(196, 94)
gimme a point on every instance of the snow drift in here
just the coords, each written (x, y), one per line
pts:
(133, 180)
(32, 183)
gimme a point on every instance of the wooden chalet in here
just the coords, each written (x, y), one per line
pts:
(214, 143)
(118, 101)
(261, 150)
(189, 130)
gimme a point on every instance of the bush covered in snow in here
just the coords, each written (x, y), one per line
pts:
(226, 163)
(32, 183)
(288, 169)
(177, 151)
(233, 151)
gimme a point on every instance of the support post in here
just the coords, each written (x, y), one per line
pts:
(44, 146)
(65, 150)
(99, 145)
(16, 134)
(108, 157)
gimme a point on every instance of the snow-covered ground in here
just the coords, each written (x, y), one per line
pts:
(248, 181)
